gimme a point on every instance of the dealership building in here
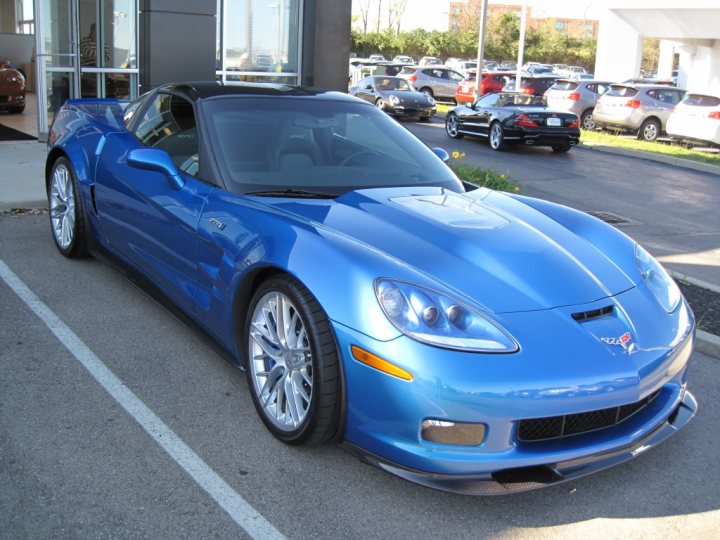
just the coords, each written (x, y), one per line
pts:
(122, 48)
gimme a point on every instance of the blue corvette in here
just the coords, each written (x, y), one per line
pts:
(461, 338)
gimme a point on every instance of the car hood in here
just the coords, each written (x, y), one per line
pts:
(494, 249)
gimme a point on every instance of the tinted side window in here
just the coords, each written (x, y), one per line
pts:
(169, 124)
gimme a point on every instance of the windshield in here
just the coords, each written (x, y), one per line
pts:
(392, 83)
(326, 147)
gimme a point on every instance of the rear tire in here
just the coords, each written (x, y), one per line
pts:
(67, 214)
(496, 138)
(587, 122)
(649, 130)
(293, 366)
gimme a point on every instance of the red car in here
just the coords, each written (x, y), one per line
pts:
(492, 81)
(12, 88)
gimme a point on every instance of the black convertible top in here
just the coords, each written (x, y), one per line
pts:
(196, 90)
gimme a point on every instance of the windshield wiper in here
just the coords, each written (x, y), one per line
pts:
(293, 193)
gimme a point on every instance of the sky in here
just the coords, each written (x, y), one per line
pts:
(433, 14)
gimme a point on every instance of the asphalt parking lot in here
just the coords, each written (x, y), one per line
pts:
(189, 457)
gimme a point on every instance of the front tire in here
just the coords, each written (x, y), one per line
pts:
(497, 136)
(427, 91)
(452, 126)
(293, 365)
(67, 215)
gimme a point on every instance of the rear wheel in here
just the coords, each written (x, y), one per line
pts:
(649, 130)
(497, 136)
(587, 121)
(452, 126)
(67, 216)
(292, 365)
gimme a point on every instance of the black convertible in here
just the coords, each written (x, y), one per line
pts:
(509, 117)
(395, 96)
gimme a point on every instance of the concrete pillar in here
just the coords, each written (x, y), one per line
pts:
(667, 59)
(177, 41)
(326, 44)
(619, 49)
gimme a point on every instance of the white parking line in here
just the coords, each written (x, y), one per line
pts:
(229, 500)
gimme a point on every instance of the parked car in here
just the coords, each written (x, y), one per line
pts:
(430, 61)
(12, 88)
(577, 97)
(437, 82)
(492, 81)
(649, 80)
(402, 59)
(461, 338)
(696, 119)
(509, 117)
(395, 96)
(637, 108)
(376, 58)
(540, 69)
(535, 86)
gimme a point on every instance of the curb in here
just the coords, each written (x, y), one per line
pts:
(707, 343)
(668, 160)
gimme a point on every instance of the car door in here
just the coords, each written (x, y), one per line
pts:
(474, 119)
(366, 90)
(148, 218)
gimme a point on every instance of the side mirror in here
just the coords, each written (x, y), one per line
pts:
(369, 87)
(154, 159)
(441, 153)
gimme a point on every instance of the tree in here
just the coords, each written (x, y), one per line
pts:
(364, 12)
(395, 14)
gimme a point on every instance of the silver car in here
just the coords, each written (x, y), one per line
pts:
(435, 81)
(642, 109)
(578, 97)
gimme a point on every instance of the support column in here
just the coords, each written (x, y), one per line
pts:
(326, 44)
(177, 41)
(619, 49)
(667, 59)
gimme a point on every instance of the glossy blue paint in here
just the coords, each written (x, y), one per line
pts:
(527, 264)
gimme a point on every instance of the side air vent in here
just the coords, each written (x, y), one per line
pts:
(584, 316)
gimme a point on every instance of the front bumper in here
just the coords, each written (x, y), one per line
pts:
(519, 479)
(562, 369)
(399, 110)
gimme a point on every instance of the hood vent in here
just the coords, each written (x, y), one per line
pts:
(584, 316)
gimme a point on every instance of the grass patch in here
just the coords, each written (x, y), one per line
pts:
(656, 147)
(489, 178)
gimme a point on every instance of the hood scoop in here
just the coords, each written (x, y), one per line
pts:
(452, 210)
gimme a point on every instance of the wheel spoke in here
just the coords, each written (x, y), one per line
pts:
(267, 348)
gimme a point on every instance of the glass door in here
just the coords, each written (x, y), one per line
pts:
(57, 61)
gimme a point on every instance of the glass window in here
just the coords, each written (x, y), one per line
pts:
(169, 124)
(261, 36)
(119, 18)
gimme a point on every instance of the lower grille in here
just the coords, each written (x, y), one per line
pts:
(556, 427)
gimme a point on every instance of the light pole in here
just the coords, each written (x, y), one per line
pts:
(481, 46)
(521, 47)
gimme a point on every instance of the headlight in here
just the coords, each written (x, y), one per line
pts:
(657, 279)
(436, 319)
(394, 99)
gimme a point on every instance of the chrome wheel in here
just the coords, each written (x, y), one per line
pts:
(588, 122)
(380, 104)
(280, 362)
(650, 130)
(62, 206)
(451, 125)
(496, 136)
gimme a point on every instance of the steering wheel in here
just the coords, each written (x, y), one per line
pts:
(356, 154)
